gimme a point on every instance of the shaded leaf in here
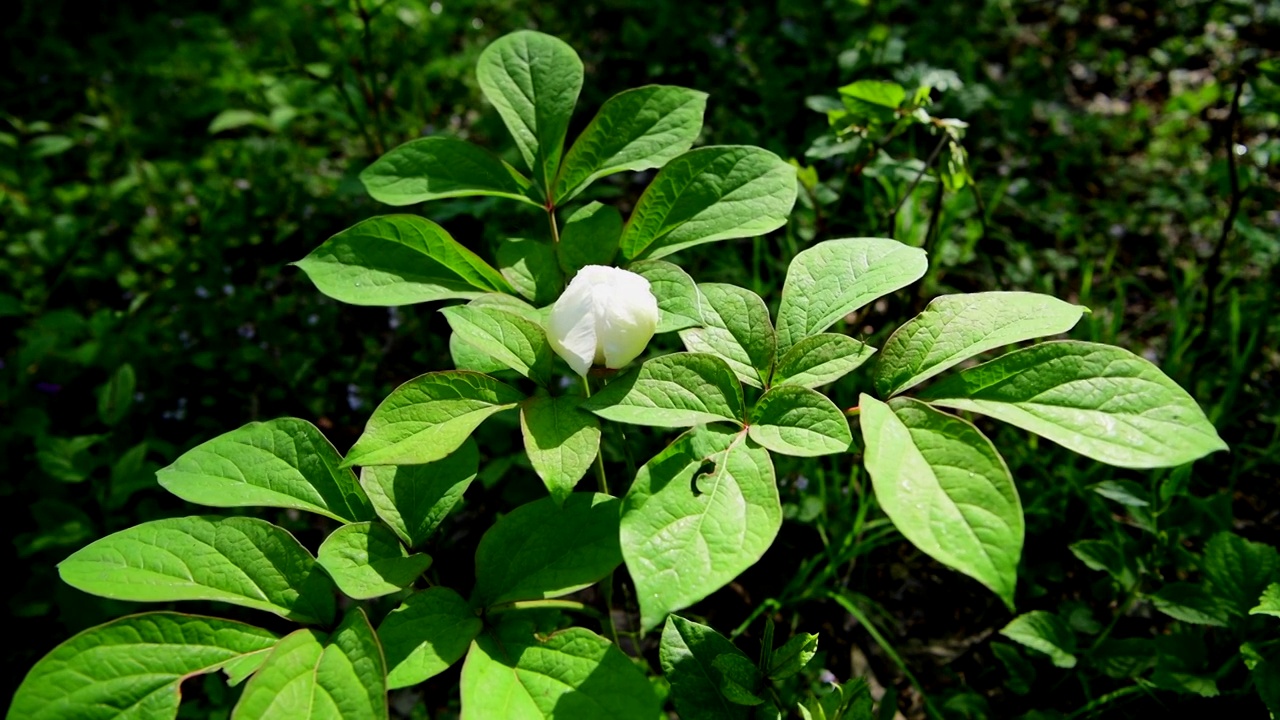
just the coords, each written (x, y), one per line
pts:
(561, 440)
(414, 499)
(438, 167)
(367, 561)
(430, 631)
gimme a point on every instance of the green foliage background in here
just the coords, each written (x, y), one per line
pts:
(162, 163)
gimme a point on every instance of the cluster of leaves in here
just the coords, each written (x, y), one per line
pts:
(696, 516)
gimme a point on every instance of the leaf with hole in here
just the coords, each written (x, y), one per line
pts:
(834, 278)
(735, 326)
(688, 530)
(285, 463)
(946, 489)
(533, 80)
(310, 676)
(398, 260)
(1098, 400)
(561, 440)
(433, 168)
(238, 560)
(794, 420)
(430, 631)
(429, 417)
(677, 390)
(133, 666)
(713, 193)
(954, 328)
(634, 130)
(366, 560)
(544, 550)
(414, 499)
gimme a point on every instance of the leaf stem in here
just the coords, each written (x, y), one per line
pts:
(601, 479)
(555, 228)
(550, 604)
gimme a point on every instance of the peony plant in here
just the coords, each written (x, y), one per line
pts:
(526, 335)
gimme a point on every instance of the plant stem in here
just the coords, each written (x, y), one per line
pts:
(893, 216)
(555, 229)
(865, 621)
(1214, 274)
(573, 605)
(601, 479)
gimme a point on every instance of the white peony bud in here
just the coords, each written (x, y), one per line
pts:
(605, 317)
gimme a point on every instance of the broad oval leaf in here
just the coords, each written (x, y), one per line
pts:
(532, 268)
(430, 631)
(1239, 570)
(1098, 400)
(682, 544)
(514, 674)
(736, 327)
(946, 489)
(510, 339)
(398, 260)
(676, 390)
(432, 168)
(834, 278)
(284, 463)
(1192, 603)
(429, 417)
(793, 420)
(954, 328)
(366, 560)
(1046, 632)
(590, 237)
(561, 440)
(637, 129)
(533, 80)
(239, 560)
(713, 193)
(544, 550)
(414, 499)
(309, 677)
(679, 302)
(821, 359)
(687, 654)
(133, 666)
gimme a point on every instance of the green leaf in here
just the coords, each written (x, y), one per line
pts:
(67, 459)
(115, 396)
(561, 440)
(1098, 400)
(687, 654)
(791, 658)
(1045, 632)
(468, 357)
(1021, 673)
(679, 302)
(532, 269)
(1105, 556)
(793, 420)
(544, 550)
(1125, 492)
(1239, 570)
(946, 489)
(687, 533)
(738, 679)
(1124, 658)
(132, 667)
(712, 193)
(429, 417)
(533, 80)
(430, 631)
(239, 560)
(677, 390)
(432, 168)
(735, 326)
(634, 130)
(510, 339)
(821, 359)
(954, 328)
(876, 92)
(398, 260)
(590, 237)
(414, 499)
(1269, 603)
(834, 278)
(309, 677)
(1191, 603)
(284, 463)
(366, 561)
(514, 674)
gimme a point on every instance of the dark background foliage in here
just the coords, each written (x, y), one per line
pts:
(161, 163)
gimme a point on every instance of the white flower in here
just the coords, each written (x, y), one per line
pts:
(605, 317)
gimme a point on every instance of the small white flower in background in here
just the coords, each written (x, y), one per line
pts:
(605, 317)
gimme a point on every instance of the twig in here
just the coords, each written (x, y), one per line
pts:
(1213, 275)
(893, 216)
